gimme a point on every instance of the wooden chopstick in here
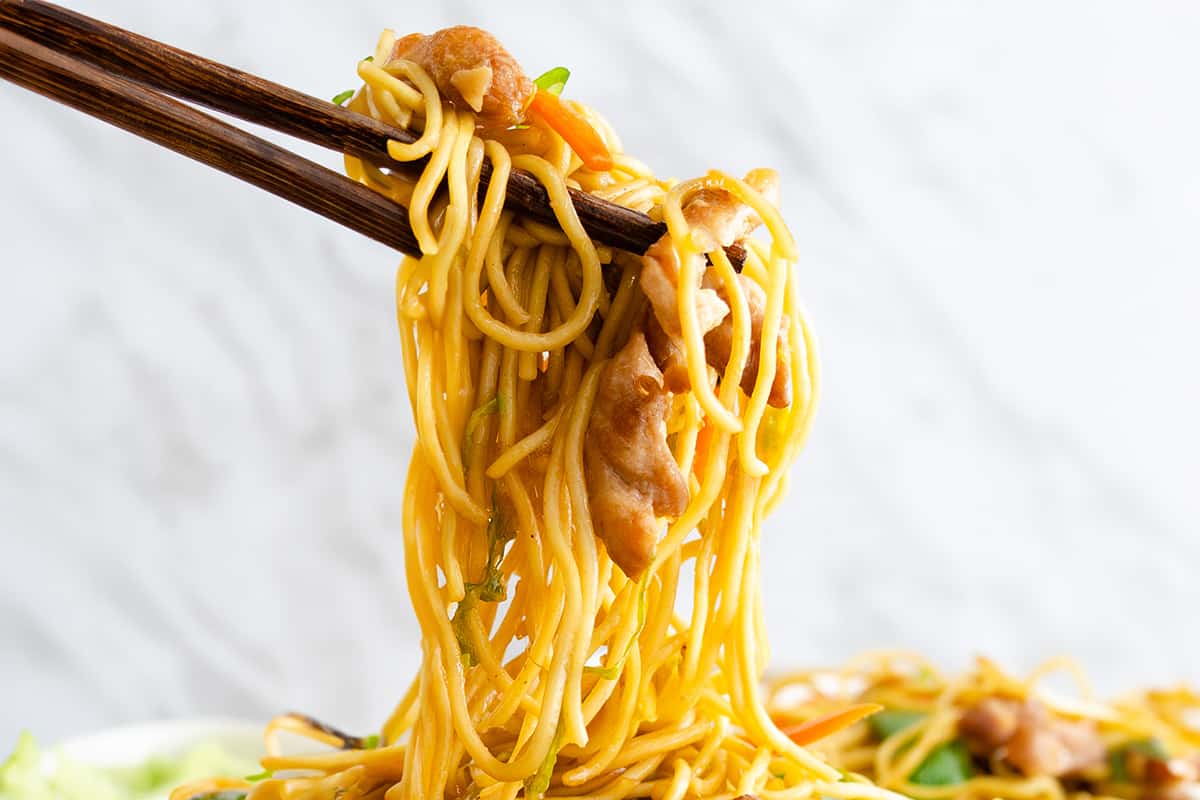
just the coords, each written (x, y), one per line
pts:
(224, 88)
(192, 133)
(200, 80)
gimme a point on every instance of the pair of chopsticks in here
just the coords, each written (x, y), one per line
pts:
(124, 79)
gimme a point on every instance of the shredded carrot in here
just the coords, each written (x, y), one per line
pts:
(574, 128)
(815, 729)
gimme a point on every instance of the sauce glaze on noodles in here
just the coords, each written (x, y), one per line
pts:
(545, 670)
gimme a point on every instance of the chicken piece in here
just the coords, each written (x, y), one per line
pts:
(632, 477)
(990, 724)
(660, 283)
(717, 219)
(472, 68)
(718, 346)
(1047, 746)
(1031, 739)
(667, 352)
(717, 214)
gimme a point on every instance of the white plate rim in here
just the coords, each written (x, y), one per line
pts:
(131, 745)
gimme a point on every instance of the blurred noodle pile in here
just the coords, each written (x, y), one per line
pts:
(986, 733)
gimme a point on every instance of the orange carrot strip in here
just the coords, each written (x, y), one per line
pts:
(574, 128)
(703, 444)
(814, 729)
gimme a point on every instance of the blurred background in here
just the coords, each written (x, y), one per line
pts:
(203, 426)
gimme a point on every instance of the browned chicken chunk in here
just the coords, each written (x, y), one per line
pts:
(668, 354)
(717, 214)
(660, 283)
(989, 724)
(632, 477)
(472, 68)
(718, 346)
(719, 220)
(1030, 738)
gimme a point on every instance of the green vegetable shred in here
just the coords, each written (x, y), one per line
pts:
(893, 720)
(610, 672)
(537, 784)
(1118, 762)
(553, 80)
(491, 589)
(948, 765)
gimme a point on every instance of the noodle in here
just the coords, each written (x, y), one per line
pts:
(546, 669)
(1142, 745)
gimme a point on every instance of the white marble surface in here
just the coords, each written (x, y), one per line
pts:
(203, 431)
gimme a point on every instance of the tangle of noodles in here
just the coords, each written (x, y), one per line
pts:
(1142, 745)
(546, 671)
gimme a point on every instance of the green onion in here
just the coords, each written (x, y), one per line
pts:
(475, 421)
(537, 783)
(893, 720)
(949, 764)
(1117, 758)
(491, 589)
(553, 80)
(610, 672)
(460, 623)
(371, 742)
(340, 98)
(261, 776)
(500, 532)
(369, 58)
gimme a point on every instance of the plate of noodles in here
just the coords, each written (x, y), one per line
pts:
(600, 434)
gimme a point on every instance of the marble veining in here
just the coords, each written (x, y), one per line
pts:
(203, 425)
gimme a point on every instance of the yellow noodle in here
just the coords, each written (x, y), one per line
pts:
(909, 682)
(544, 668)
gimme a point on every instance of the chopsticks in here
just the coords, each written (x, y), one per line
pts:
(206, 139)
(116, 58)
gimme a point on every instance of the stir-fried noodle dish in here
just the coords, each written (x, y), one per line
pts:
(987, 733)
(600, 435)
